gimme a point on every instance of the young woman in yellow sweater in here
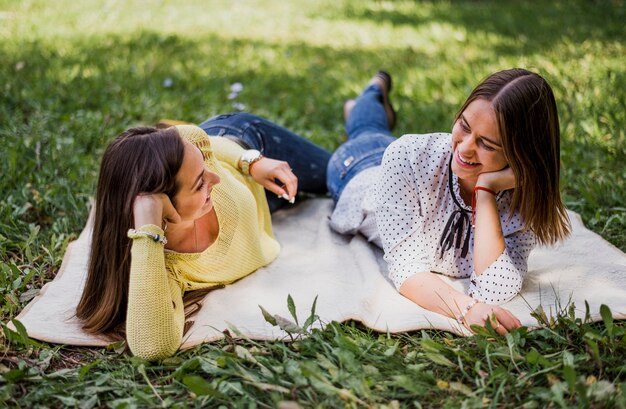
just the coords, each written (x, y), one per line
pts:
(178, 210)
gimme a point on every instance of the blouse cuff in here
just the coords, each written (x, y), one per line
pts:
(400, 275)
(499, 283)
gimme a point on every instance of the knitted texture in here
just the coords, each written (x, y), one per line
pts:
(158, 279)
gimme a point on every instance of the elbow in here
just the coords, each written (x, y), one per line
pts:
(152, 351)
(154, 343)
(495, 292)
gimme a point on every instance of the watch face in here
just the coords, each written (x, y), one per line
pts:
(250, 155)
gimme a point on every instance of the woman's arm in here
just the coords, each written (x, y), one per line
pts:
(500, 262)
(155, 314)
(155, 317)
(430, 292)
(399, 218)
(488, 237)
(226, 151)
(265, 171)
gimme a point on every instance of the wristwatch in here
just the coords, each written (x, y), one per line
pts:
(247, 159)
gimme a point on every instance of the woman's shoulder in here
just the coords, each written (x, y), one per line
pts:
(425, 141)
(420, 148)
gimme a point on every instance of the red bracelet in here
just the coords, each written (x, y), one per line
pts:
(476, 189)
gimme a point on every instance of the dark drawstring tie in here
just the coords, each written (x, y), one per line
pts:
(458, 222)
(453, 233)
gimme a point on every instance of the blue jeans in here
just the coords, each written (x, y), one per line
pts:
(368, 137)
(307, 160)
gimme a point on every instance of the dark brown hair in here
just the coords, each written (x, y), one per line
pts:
(528, 122)
(138, 160)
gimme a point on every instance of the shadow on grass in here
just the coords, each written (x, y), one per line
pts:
(141, 78)
(66, 101)
(531, 26)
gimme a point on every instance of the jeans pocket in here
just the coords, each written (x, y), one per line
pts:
(347, 163)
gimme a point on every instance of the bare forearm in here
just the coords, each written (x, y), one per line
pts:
(428, 291)
(488, 237)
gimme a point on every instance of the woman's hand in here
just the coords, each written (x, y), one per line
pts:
(153, 208)
(267, 171)
(502, 320)
(497, 181)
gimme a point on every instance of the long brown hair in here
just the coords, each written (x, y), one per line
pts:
(528, 122)
(139, 160)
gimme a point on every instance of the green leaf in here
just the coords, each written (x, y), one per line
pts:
(292, 308)
(607, 317)
(311, 319)
(460, 387)
(118, 347)
(221, 361)
(391, 350)
(439, 359)
(587, 312)
(29, 294)
(595, 351)
(431, 346)
(533, 357)
(288, 326)
(244, 354)
(569, 374)
(89, 403)
(21, 330)
(201, 386)
(67, 400)
(14, 375)
(102, 379)
(86, 368)
(20, 336)
(235, 330)
(268, 317)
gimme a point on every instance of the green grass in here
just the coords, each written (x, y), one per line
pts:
(75, 73)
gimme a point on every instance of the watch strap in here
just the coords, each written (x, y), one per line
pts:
(247, 159)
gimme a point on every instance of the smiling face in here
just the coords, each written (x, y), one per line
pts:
(193, 199)
(476, 144)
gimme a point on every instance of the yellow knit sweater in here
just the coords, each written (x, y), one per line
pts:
(158, 277)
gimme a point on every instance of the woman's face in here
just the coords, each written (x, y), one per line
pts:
(476, 143)
(193, 199)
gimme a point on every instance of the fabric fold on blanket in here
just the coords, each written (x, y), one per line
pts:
(348, 276)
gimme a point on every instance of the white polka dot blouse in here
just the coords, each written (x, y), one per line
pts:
(413, 201)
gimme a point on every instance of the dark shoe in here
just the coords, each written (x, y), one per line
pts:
(384, 81)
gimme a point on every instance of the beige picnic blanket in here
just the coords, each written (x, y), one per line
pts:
(348, 276)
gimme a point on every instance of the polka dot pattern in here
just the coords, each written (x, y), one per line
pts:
(355, 210)
(413, 203)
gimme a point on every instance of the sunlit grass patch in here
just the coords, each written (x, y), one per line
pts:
(76, 73)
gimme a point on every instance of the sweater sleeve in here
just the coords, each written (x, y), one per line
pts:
(155, 316)
(226, 150)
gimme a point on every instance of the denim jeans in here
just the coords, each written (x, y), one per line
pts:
(307, 160)
(368, 137)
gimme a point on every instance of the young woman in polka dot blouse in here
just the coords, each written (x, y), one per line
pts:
(468, 204)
